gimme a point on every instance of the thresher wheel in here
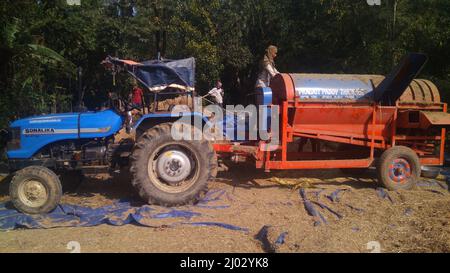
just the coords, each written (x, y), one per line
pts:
(398, 168)
(35, 189)
(171, 172)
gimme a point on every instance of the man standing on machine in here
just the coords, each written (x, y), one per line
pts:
(217, 94)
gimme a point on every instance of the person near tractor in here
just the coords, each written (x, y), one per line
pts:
(217, 94)
(267, 67)
(113, 102)
(136, 95)
(136, 100)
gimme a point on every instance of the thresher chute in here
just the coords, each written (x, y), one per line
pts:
(394, 85)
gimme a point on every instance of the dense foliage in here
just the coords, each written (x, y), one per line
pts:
(43, 42)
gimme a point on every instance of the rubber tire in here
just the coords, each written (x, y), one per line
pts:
(45, 176)
(386, 159)
(151, 140)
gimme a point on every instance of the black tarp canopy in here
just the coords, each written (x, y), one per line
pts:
(158, 75)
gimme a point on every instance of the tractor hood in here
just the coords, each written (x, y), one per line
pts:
(38, 131)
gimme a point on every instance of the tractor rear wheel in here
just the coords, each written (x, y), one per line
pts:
(35, 189)
(171, 172)
(398, 168)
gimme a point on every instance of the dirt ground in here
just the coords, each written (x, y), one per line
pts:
(412, 221)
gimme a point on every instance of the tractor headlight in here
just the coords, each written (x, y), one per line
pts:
(13, 139)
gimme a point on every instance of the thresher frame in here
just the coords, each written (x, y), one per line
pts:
(373, 139)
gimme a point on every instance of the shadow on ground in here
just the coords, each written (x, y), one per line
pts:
(247, 177)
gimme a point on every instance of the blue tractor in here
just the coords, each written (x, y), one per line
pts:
(42, 150)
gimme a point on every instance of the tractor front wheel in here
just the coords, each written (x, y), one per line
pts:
(35, 189)
(171, 172)
(398, 168)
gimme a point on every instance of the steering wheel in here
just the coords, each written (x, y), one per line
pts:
(121, 105)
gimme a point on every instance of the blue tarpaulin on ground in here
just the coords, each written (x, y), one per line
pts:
(118, 214)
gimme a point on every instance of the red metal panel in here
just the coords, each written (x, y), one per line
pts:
(284, 128)
(319, 164)
(283, 88)
(346, 140)
(222, 148)
(443, 134)
(344, 121)
(430, 161)
(372, 143)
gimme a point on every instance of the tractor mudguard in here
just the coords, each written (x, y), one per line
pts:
(165, 116)
(228, 123)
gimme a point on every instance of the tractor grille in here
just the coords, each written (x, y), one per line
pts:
(13, 139)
